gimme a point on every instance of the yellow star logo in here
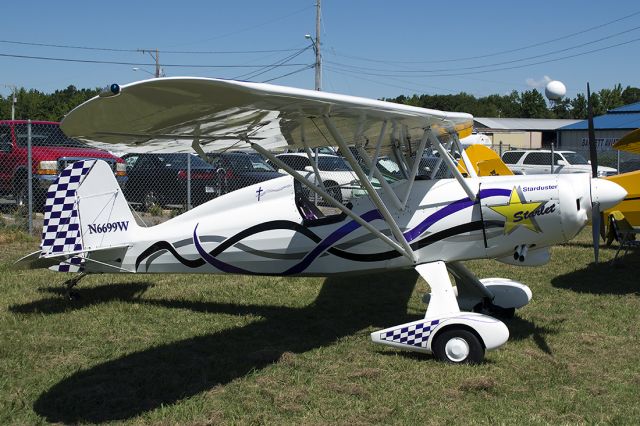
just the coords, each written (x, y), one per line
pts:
(518, 213)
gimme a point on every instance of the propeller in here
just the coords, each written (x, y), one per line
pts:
(596, 214)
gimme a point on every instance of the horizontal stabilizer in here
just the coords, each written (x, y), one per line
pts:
(35, 261)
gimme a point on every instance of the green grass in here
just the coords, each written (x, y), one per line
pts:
(201, 349)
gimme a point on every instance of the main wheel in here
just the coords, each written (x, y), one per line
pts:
(458, 346)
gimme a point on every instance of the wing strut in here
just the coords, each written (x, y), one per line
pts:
(465, 183)
(383, 182)
(471, 170)
(375, 197)
(310, 154)
(416, 164)
(196, 143)
(378, 146)
(297, 176)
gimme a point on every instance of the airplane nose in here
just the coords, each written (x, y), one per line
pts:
(607, 193)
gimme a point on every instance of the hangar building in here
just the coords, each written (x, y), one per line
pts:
(529, 133)
(608, 128)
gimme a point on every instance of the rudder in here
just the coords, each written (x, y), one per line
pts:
(85, 210)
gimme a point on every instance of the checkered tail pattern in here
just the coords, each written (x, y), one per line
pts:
(61, 230)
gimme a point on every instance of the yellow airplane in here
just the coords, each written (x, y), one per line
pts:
(485, 161)
(630, 206)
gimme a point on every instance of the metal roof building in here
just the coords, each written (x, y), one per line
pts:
(526, 124)
(625, 118)
(521, 132)
(608, 128)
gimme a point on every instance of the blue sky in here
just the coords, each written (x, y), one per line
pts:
(370, 48)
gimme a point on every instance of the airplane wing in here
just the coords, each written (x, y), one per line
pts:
(485, 161)
(629, 142)
(219, 114)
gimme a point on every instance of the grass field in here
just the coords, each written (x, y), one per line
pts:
(200, 349)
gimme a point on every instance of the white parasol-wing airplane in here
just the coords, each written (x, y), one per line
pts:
(427, 223)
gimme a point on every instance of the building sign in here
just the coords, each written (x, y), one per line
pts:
(602, 144)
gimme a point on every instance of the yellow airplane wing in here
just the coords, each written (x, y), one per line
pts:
(486, 162)
(630, 206)
(629, 142)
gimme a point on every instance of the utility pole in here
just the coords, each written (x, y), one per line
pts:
(315, 43)
(155, 54)
(13, 99)
(317, 49)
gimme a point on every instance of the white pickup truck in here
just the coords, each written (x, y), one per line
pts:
(530, 162)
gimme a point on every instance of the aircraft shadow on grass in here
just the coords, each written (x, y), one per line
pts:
(129, 292)
(604, 278)
(134, 384)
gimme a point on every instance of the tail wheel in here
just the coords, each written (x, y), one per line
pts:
(458, 346)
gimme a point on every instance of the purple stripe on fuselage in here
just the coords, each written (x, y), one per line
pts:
(331, 240)
(351, 226)
(225, 267)
(450, 209)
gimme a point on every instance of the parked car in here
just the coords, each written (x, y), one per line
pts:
(528, 162)
(338, 177)
(161, 179)
(51, 152)
(236, 169)
(385, 164)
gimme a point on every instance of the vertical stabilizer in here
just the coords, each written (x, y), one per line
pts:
(85, 210)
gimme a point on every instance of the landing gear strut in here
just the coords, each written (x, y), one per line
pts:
(69, 294)
(451, 335)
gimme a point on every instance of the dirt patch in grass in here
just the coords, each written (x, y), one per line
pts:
(478, 384)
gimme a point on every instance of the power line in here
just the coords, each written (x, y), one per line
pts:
(291, 73)
(108, 49)
(386, 82)
(505, 68)
(268, 68)
(89, 61)
(494, 64)
(466, 58)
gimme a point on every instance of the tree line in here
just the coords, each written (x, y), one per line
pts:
(37, 105)
(528, 104)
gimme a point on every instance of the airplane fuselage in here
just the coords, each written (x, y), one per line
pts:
(260, 229)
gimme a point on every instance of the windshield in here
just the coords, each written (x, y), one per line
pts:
(260, 164)
(333, 164)
(46, 135)
(248, 163)
(180, 160)
(389, 169)
(574, 158)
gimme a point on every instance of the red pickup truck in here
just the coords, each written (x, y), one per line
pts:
(51, 152)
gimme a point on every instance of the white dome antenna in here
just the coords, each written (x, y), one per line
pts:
(555, 90)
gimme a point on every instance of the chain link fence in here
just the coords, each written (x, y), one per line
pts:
(159, 186)
(610, 162)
